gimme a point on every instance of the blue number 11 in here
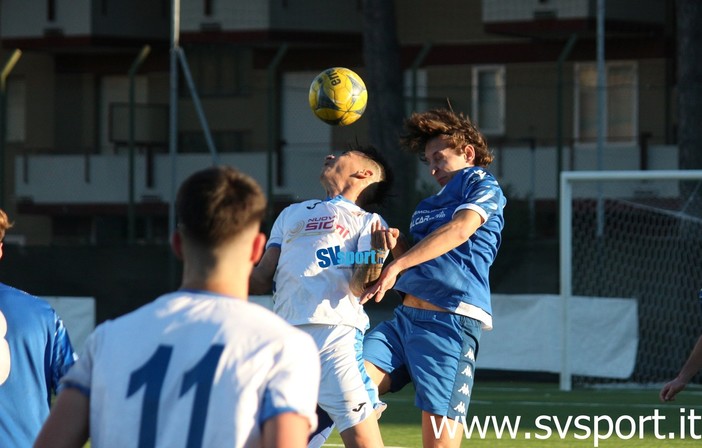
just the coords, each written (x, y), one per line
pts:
(150, 376)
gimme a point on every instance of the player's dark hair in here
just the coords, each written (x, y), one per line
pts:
(457, 128)
(215, 204)
(4, 224)
(376, 193)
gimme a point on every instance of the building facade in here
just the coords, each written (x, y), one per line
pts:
(525, 70)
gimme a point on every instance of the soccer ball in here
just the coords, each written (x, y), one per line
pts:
(338, 96)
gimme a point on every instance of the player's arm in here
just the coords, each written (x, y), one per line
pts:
(68, 422)
(449, 236)
(365, 274)
(286, 430)
(261, 280)
(691, 367)
(62, 355)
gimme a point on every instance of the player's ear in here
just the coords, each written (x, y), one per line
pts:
(469, 154)
(258, 247)
(0, 249)
(177, 244)
(364, 173)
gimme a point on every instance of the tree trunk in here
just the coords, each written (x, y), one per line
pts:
(385, 110)
(689, 17)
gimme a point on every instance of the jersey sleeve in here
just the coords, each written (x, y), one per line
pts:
(80, 375)
(62, 354)
(482, 194)
(275, 239)
(293, 383)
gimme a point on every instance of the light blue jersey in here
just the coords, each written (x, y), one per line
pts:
(194, 366)
(464, 271)
(35, 352)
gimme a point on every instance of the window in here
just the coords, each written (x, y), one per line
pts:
(16, 116)
(620, 102)
(218, 70)
(415, 96)
(488, 109)
(224, 141)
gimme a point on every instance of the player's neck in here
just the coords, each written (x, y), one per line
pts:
(223, 288)
(228, 282)
(348, 192)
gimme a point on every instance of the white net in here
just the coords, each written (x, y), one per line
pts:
(642, 239)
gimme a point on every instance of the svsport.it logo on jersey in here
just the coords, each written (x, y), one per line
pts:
(334, 256)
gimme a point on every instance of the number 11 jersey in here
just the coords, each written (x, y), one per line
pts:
(194, 369)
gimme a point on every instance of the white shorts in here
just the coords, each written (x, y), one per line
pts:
(346, 392)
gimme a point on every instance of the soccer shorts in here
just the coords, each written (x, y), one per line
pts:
(435, 350)
(346, 392)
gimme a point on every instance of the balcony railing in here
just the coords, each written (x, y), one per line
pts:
(529, 171)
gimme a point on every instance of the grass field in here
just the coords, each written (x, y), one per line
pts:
(541, 408)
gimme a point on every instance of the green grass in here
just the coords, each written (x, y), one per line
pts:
(400, 424)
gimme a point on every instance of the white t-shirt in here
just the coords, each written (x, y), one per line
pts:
(194, 365)
(317, 241)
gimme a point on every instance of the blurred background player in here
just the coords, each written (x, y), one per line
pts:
(200, 366)
(35, 352)
(433, 338)
(309, 264)
(689, 369)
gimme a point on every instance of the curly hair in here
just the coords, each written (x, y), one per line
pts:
(457, 128)
(4, 224)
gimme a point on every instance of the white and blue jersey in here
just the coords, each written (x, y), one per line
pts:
(194, 368)
(35, 352)
(318, 242)
(459, 279)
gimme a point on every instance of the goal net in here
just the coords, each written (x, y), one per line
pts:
(633, 235)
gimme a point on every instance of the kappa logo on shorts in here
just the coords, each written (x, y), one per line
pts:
(468, 372)
(470, 355)
(461, 408)
(359, 407)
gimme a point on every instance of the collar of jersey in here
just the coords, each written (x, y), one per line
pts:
(339, 198)
(202, 292)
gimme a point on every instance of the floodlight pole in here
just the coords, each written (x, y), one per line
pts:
(198, 106)
(601, 108)
(7, 68)
(273, 138)
(173, 124)
(601, 82)
(131, 215)
(559, 104)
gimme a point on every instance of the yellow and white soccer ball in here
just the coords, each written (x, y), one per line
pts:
(338, 96)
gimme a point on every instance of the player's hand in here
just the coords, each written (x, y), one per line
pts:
(385, 282)
(380, 240)
(671, 389)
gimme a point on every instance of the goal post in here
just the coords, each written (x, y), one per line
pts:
(637, 236)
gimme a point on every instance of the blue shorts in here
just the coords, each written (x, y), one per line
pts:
(434, 350)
